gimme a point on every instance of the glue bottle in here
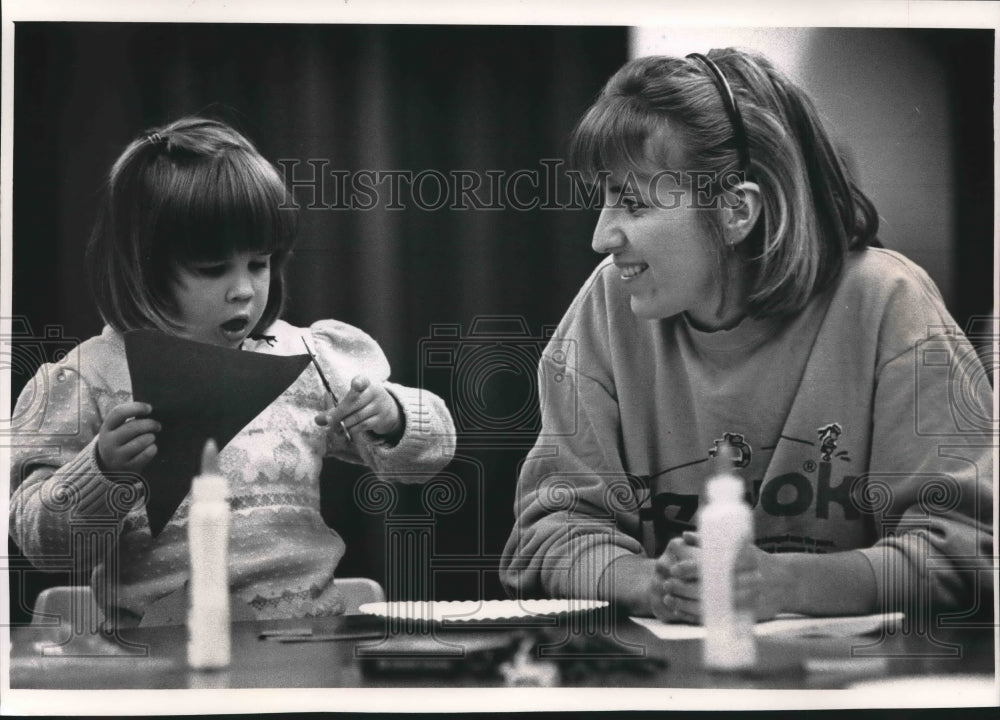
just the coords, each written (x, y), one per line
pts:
(725, 529)
(208, 544)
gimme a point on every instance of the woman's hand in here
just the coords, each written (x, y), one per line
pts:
(368, 406)
(675, 593)
(127, 439)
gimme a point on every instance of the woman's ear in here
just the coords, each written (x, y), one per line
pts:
(740, 211)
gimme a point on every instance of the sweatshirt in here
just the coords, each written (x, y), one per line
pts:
(862, 423)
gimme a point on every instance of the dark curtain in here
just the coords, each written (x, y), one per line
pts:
(458, 299)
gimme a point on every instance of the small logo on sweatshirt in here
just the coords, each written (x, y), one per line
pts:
(737, 441)
(828, 436)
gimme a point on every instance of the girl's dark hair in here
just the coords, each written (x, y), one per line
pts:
(192, 190)
(813, 212)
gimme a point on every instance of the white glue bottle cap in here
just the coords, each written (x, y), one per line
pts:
(211, 484)
(724, 485)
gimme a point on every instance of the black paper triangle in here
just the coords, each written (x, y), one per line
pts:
(198, 391)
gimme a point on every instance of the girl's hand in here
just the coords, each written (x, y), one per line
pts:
(127, 439)
(761, 582)
(368, 406)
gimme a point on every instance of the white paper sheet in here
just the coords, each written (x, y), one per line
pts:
(477, 610)
(786, 624)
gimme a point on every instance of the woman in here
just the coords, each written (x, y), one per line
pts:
(745, 301)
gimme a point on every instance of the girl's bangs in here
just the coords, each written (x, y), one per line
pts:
(236, 204)
(612, 136)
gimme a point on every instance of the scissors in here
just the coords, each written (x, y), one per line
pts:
(326, 384)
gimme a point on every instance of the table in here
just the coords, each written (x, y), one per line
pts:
(603, 650)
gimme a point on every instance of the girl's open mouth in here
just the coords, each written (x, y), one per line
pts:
(235, 326)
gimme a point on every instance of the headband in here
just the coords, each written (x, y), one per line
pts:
(729, 101)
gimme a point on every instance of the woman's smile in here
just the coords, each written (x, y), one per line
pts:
(631, 270)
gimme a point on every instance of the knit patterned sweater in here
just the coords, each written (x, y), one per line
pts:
(282, 554)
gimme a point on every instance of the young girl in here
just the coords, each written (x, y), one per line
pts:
(745, 302)
(192, 240)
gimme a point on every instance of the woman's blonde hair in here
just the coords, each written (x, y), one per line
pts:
(812, 213)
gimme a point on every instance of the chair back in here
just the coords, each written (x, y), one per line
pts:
(68, 604)
(357, 591)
